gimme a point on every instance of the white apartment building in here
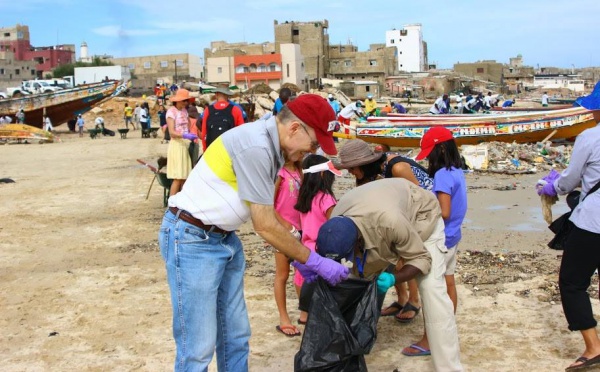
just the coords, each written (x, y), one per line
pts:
(410, 48)
(556, 81)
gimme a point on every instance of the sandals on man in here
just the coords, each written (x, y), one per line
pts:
(391, 310)
(421, 351)
(584, 363)
(408, 307)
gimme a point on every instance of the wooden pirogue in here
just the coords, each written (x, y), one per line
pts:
(407, 131)
(60, 106)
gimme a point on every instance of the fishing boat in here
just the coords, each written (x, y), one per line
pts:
(62, 105)
(407, 131)
(24, 133)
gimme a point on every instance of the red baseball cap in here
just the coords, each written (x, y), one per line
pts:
(432, 137)
(316, 112)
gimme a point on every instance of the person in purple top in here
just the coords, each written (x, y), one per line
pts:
(398, 108)
(439, 147)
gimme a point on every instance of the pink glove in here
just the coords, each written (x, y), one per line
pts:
(333, 272)
(189, 136)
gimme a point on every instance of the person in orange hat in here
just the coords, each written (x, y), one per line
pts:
(179, 163)
(445, 166)
(204, 258)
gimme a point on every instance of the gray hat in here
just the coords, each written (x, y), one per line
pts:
(355, 153)
(224, 91)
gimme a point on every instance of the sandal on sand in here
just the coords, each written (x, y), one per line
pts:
(392, 310)
(281, 328)
(585, 363)
(408, 307)
(421, 351)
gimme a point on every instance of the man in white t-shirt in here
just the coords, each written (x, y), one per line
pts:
(545, 99)
(439, 107)
(47, 124)
(355, 108)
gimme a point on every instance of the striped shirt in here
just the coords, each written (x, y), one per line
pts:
(238, 168)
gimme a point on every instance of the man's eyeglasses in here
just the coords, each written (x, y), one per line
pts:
(314, 145)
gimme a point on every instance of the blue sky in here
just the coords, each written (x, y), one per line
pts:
(545, 33)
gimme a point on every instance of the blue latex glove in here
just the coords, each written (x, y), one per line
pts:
(547, 189)
(189, 136)
(385, 281)
(308, 275)
(333, 272)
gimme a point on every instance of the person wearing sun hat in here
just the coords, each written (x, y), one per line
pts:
(179, 163)
(204, 258)
(386, 222)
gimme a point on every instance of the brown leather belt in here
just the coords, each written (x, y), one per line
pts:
(187, 217)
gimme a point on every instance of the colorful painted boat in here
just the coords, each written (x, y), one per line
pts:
(62, 105)
(24, 132)
(517, 127)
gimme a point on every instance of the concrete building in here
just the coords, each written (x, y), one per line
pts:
(313, 40)
(347, 63)
(410, 47)
(247, 65)
(483, 70)
(168, 68)
(557, 81)
(12, 71)
(16, 40)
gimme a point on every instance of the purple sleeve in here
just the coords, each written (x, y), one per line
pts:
(443, 182)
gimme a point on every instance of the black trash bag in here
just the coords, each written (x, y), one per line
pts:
(341, 327)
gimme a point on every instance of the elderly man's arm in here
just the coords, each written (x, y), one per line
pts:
(266, 225)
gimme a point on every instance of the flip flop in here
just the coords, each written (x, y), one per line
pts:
(422, 351)
(395, 306)
(281, 328)
(302, 322)
(585, 363)
(408, 307)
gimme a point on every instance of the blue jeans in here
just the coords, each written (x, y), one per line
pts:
(205, 272)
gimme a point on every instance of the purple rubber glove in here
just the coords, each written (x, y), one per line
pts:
(308, 275)
(547, 189)
(333, 272)
(552, 176)
(545, 186)
(189, 136)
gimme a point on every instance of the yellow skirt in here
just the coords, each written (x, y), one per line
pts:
(179, 163)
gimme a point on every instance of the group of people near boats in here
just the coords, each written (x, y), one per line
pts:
(400, 226)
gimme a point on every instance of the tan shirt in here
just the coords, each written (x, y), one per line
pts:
(394, 217)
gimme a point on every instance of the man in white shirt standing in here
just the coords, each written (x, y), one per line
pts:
(545, 99)
(47, 124)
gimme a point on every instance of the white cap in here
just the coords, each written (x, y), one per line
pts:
(330, 95)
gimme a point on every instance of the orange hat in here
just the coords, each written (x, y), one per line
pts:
(181, 95)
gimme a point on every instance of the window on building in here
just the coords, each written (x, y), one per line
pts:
(131, 66)
(219, 70)
(147, 64)
(252, 67)
(368, 88)
(295, 32)
(403, 32)
(262, 68)
(287, 69)
(32, 72)
(392, 41)
(1, 71)
(347, 63)
(480, 70)
(7, 34)
(179, 62)
(17, 71)
(335, 63)
(274, 67)
(372, 62)
(164, 64)
(400, 52)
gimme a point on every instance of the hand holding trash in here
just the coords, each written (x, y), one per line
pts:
(545, 186)
(189, 136)
(333, 272)
(385, 281)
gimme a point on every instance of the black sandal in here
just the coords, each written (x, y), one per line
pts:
(396, 306)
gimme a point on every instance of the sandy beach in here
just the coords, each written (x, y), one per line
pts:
(82, 284)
